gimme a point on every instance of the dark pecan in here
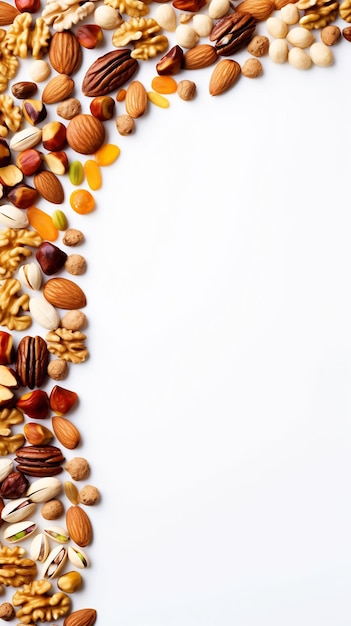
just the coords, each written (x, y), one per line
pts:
(32, 361)
(109, 72)
(232, 32)
(39, 461)
(14, 485)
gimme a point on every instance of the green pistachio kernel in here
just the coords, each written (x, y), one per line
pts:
(76, 172)
(59, 219)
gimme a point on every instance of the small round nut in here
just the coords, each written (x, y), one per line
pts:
(330, 34)
(52, 510)
(58, 369)
(74, 320)
(125, 124)
(70, 582)
(107, 17)
(258, 46)
(346, 33)
(40, 70)
(78, 468)
(251, 68)
(89, 495)
(76, 264)
(72, 237)
(69, 108)
(7, 611)
(186, 89)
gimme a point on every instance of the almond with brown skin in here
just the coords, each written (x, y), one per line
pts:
(202, 55)
(7, 13)
(85, 133)
(57, 89)
(81, 617)
(79, 525)
(65, 53)
(224, 75)
(136, 99)
(259, 9)
(49, 186)
(66, 432)
(64, 294)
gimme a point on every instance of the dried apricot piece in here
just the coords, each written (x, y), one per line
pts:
(82, 201)
(92, 174)
(43, 223)
(107, 154)
(164, 84)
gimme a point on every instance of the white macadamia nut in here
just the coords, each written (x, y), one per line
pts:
(300, 37)
(186, 36)
(218, 8)
(107, 17)
(290, 14)
(278, 50)
(39, 70)
(321, 54)
(276, 27)
(299, 59)
(166, 17)
(202, 24)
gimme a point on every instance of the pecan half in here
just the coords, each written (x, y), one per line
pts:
(39, 461)
(109, 72)
(232, 32)
(32, 361)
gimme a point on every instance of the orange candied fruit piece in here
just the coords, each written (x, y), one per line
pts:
(82, 201)
(107, 154)
(92, 174)
(121, 95)
(43, 223)
(164, 84)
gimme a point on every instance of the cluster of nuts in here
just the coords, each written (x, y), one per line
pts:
(46, 132)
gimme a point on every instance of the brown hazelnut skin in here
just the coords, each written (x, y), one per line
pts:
(7, 611)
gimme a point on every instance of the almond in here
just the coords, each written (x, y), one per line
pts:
(136, 99)
(57, 89)
(7, 13)
(224, 75)
(202, 55)
(65, 53)
(82, 617)
(66, 432)
(64, 294)
(79, 526)
(49, 186)
(259, 9)
(85, 133)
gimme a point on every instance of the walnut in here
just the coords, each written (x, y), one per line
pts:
(15, 568)
(40, 38)
(135, 29)
(11, 304)
(14, 250)
(37, 605)
(133, 8)
(345, 10)
(18, 35)
(317, 14)
(10, 443)
(67, 344)
(10, 115)
(149, 48)
(63, 14)
(10, 417)
(8, 62)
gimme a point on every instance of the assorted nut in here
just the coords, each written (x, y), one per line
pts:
(33, 144)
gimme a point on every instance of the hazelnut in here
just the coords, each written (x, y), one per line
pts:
(69, 108)
(186, 89)
(89, 495)
(52, 510)
(58, 369)
(74, 320)
(75, 264)
(251, 68)
(125, 124)
(78, 468)
(7, 611)
(72, 237)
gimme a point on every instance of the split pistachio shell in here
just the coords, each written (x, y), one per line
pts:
(12, 217)
(18, 510)
(78, 557)
(6, 467)
(44, 489)
(54, 562)
(19, 531)
(44, 313)
(39, 548)
(57, 533)
(30, 276)
(25, 139)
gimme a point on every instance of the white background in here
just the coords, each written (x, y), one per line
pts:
(215, 405)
